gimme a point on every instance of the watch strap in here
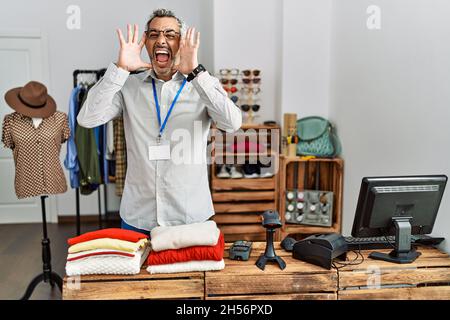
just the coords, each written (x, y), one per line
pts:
(195, 72)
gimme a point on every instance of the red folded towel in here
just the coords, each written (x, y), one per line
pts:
(112, 233)
(188, 254)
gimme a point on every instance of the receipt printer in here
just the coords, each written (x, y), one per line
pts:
(321, 249)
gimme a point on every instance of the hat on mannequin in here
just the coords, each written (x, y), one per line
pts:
(31, 100)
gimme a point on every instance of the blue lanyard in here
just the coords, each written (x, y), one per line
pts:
(163, 126)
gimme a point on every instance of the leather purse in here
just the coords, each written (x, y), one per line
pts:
(316, 137)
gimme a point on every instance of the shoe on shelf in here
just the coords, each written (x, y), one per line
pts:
(266, 170)
(235, 173)
(251, 171)
(266, 174)
(223, 173)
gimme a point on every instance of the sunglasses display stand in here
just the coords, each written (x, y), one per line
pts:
(242, 88)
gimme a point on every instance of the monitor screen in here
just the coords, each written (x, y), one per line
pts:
(382, 198)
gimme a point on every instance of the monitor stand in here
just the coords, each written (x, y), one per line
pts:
(403, 253)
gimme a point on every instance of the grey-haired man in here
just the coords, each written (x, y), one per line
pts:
(175, 100)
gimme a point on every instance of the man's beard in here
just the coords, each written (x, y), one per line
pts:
(162, 71)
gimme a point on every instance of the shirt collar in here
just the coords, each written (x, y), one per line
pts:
(151, 74)
(30, 119)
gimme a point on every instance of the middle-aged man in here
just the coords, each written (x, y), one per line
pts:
(174, 101)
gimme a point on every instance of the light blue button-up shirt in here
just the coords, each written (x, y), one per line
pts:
(163, 192)
(71, 160)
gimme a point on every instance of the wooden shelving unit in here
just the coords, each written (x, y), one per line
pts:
(239, 203)
(331, 179)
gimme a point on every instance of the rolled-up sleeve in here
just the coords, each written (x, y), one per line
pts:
(104, 101)
(226, 115)
(7, 137)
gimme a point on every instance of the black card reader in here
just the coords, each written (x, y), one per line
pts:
(240, 250)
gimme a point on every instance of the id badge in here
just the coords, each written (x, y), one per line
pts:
(159, 151)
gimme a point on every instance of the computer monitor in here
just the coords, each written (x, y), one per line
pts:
(398, 206)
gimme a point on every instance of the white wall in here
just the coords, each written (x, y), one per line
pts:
(289, 40)
(390, 94)
(94, 46)
(248, 35)
(306, 57)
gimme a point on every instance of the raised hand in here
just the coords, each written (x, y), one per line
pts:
(130, 50)
(186, 59)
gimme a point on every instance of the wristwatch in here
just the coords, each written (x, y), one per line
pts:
(195, 72)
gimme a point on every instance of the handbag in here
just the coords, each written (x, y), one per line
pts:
(316, 137)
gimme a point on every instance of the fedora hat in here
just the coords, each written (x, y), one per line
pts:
(31, 100)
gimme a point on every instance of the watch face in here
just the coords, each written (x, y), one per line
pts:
(199, 69)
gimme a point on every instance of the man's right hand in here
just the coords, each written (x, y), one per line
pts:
(130, 50)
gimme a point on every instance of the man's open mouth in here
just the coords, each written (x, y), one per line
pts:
(162, 56)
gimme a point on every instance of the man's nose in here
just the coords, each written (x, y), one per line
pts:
(161, 39)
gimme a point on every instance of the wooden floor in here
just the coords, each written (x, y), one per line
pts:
(21, 261)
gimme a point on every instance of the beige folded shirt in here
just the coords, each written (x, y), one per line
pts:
(107, 243)
(183, 236)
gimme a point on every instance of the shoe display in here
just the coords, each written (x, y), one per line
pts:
(224, 172)
(235, 173)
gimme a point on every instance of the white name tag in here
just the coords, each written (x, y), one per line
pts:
(159, 151)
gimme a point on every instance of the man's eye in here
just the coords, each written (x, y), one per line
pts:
(170, 35)
(153, 35)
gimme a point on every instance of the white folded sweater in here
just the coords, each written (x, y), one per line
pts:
(108, 264)
(183, 236)
(189, 266)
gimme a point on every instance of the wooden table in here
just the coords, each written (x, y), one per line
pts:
(243, 280)
(427, 278)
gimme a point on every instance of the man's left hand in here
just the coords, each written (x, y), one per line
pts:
(186, 60)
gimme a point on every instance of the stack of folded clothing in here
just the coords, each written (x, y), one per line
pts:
(186, 248)
(107, 251)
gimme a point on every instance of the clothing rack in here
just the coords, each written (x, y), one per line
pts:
(98, 74)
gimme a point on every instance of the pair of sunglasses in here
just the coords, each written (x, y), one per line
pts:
(230, 89)
(247, 107)
(251, 80)
(248, 73)
(251, 90)
(228, 81)
(226, 72)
